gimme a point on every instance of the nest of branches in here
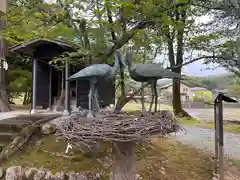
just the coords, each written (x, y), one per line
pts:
(115, 127)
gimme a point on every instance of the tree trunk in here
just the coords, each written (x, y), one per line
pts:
(176, 101)
(60, 102)
(123, 100)
(29, 98)
(25, 98)
(4, 103)
(177, 105)
(124, 161)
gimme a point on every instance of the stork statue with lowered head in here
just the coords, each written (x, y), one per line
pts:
(94, 73)
(148, 73)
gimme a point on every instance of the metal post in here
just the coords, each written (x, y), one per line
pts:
(50, 89)
(216, 126)
(3, 22)
(2, 71)
(34, 86)
(77, 95)
(66, 110)
(221, 150)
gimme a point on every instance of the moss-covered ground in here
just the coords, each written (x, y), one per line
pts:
(158, 159)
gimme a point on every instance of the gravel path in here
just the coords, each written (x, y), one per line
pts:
(204, 139)
(208, 114)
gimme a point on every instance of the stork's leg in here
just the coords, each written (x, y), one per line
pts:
(96, 99)
(142, 102)
(156, 96)
(152, 89)
(90, 96)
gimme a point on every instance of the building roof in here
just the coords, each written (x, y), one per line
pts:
(223, 91)
(166, 82)
(199, 89)
(29, 47)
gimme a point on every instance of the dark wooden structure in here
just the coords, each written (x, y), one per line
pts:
(218, 124)
(47, 81)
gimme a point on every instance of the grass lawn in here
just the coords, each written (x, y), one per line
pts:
(228, 127)
(132, 106)
(159, 159)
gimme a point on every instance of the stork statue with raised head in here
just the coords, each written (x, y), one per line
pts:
(94, 73)
(148, 73)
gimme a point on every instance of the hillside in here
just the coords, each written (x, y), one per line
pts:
(214, 82)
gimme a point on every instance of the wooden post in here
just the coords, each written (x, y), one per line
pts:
(1, 71)
(4, 102)
(3, 49)
(50, 89)
(66, 110)
(34, 85)
(219, 136)
(76, 90)
(124, 161)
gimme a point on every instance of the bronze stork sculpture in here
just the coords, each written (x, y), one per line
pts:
(148, 73)
(94, 73)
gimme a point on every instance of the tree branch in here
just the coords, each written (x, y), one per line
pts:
(156, 52)
(197, 59)
(123, 40)
(69, 16)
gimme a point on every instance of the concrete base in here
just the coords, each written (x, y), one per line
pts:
(66, 113)
(48, 109)
(33, 111)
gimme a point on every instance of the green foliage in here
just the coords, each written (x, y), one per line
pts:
(234, 91)
(174, 27)
(202, 42)
(222, 81)
(20, 81)
(203, 96)
(29, 20)
(230, 51)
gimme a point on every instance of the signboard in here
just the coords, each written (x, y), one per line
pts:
(3, 7)
(215, 95)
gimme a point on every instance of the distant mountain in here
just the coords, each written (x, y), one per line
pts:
(221, 81)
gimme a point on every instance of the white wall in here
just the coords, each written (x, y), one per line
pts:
(183, 89)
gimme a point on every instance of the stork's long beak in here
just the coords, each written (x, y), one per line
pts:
(71, 78)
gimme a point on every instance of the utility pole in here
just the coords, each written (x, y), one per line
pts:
(3, 9)
(4, 103)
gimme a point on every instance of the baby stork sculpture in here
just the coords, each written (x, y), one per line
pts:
(94, 73)
(148, 73)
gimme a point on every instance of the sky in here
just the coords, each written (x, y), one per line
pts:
(198, 68)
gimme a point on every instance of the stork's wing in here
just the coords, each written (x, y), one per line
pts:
(99, 70)
(154, 70)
